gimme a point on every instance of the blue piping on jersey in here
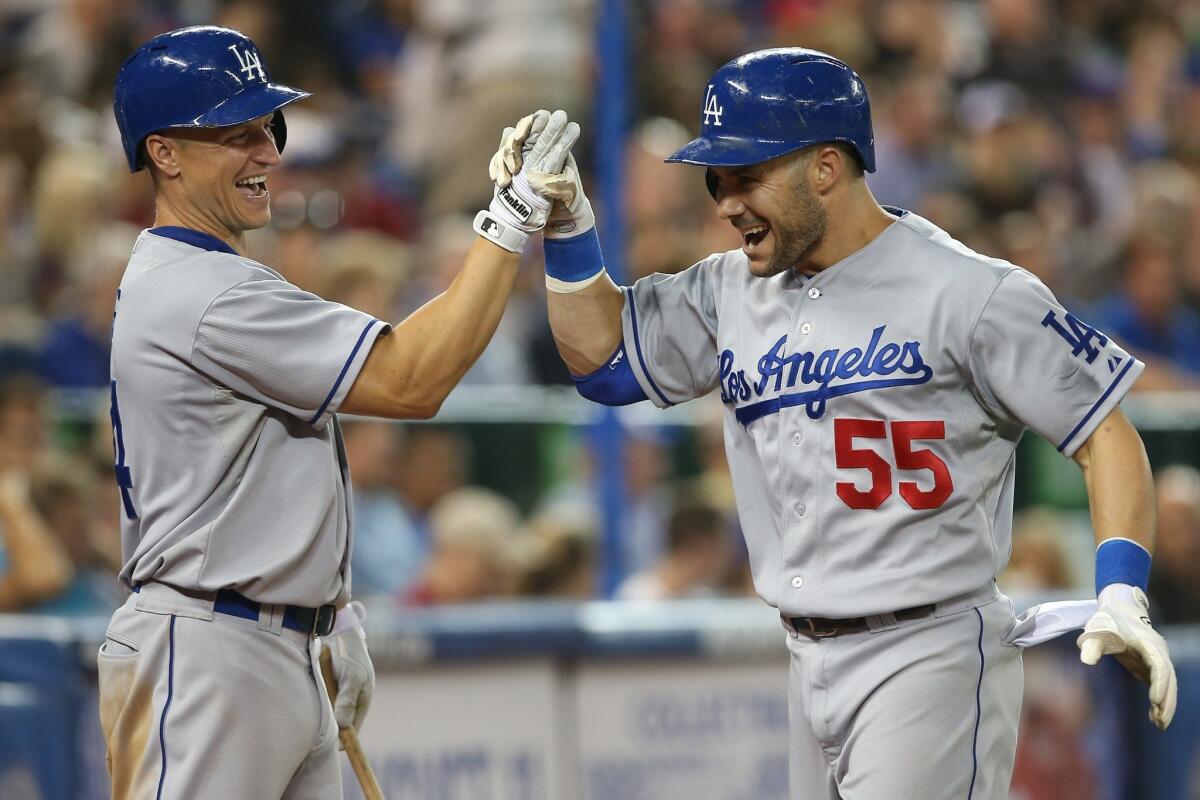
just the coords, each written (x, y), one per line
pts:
(637, 347)
(121, 469)
(205, 241)
(162, 722)
(817, 397)
(1096, 405)
(978, 709)
(342, 374)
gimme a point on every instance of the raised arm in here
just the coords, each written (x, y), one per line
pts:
(38, 565)
(586, 324)
(409, 372)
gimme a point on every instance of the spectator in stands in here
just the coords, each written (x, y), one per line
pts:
(1039, 560)
(75, 348)
(388, 551)
(74, 191)
(647, 471)
(433, 461)
(696, 560)
(459, 56)
(910, 141)
(65, 491)
(1175, 573)
(33, 565)
(364, 270)
(474, 535)
(1149, 316)
(560, 554)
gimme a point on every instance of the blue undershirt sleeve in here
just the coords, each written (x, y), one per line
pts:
(613, 384)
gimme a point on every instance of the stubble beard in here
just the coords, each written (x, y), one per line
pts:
(806, 222)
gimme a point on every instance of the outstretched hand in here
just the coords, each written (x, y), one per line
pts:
(1121, 628)
(539, 144)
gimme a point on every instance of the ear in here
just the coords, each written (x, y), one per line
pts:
(828, 166)
(162, 154)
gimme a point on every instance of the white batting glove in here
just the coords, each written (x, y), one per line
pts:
(572, 213)
(1121, 628)
(517, 210)
(352, 668)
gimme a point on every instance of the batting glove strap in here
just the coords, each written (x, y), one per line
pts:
(516, 211)
(488, 226)
(1121, 628)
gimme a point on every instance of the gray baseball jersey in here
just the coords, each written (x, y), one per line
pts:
(872, 410)
(225, 380)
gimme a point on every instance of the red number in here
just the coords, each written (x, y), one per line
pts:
(845, 431)
(903, 434)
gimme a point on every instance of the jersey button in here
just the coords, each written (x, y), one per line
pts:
(797, 582)
(806, 328)
(801, 509)
(814, 293)
(797, 438)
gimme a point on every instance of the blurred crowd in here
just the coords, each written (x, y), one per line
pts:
(1061, 136)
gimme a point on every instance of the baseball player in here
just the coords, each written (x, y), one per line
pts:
(237, 518)
(877, 376)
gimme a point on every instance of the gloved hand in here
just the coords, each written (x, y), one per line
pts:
(572, 212)
(1121, 628)
(541, 143)
(352, 668)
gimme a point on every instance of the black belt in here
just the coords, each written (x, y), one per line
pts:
(313, 621)
(823, 627)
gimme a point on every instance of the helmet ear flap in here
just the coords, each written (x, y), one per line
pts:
(711, 181)
(278, 129)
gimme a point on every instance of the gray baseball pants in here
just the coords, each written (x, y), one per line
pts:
(924, 709)
(196, 704)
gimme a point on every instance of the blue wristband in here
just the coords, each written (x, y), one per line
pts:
(1122, 561)
(575, 259)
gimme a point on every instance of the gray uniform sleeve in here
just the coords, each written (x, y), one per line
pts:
(670, 330)
(284, 347)
(1036, 364)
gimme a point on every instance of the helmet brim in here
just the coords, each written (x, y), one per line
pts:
(248, 105)
(730, 151)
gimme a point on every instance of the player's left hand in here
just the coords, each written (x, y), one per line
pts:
(352, 668)
(1121, 628)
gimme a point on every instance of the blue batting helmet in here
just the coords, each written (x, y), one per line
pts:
(766, 104)
(201, 77)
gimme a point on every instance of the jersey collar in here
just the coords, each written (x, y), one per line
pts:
(205, 241)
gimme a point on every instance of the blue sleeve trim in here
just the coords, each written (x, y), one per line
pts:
(637, 347)
(574, 259)
(1097, 404)
(614, 384)
(1122, 561)
(341, 375)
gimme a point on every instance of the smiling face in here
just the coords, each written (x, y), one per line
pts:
(774, 208)
(215, 179)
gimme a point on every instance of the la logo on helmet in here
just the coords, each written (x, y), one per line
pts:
(249, 61)
(711, 109)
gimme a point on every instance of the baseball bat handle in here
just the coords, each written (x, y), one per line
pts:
(348, 737)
